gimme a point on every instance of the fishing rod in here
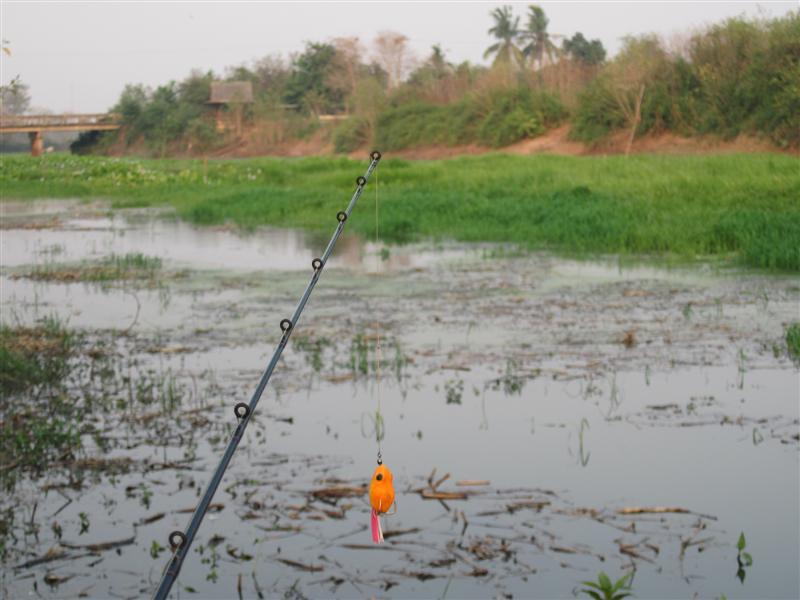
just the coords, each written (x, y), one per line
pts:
(180, 541)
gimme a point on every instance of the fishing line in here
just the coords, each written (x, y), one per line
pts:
(180, 541)
(379, 429)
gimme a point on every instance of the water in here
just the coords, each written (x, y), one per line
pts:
(700, 412)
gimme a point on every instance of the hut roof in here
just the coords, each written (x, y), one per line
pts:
(230, 92)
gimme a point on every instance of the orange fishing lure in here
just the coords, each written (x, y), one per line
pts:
(381, 498)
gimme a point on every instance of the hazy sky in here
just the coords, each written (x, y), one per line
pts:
(77, 56)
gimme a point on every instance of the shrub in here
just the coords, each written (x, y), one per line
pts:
(495, 118)
(350, 135)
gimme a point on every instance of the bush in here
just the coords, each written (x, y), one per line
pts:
(350, 135)
(740, 77)
(496, 118)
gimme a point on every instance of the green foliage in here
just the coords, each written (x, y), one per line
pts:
(307, 86)
(35, 361)
(741, 207)
(793, 340)
(171, 113)
(741, 76)
(603, 589)
(496, 118)
(743, 559)
(583, 50)
(506, 31)
(33, 356)
(92, 142)
(350, 135)
(597, 114)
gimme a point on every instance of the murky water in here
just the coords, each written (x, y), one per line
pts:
(584, 385)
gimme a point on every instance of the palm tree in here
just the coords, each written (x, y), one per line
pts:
(506, 30)
(539, 42)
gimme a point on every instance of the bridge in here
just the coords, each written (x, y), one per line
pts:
(36, 125)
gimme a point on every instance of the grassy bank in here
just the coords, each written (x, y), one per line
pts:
(743, 206)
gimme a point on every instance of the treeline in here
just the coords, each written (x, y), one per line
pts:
(737, 77)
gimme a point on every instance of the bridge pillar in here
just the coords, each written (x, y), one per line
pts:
(37, 143)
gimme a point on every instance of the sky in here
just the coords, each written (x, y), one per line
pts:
(78, 56)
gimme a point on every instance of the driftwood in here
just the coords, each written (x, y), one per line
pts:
(301, 566)
(472, 482)
(339, 492)
(426, 495)
(101, 546)
(370, 547)
(641, 510)
(212, 508)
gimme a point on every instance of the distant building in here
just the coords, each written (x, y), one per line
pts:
(232, 95)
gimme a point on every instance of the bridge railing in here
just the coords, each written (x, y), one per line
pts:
(59, 120)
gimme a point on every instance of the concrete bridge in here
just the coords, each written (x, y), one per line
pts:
(36, 125)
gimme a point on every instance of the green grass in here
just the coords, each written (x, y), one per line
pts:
(793, 340)
(740, 206)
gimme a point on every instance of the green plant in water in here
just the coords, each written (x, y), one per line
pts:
(378, 428)
(583, 456)
(313, 350)
(359, 355)
(156, 549)
(454, 390)
(510, 381)
(742, 365)
(743, 559)
(84, 519)
(603, 589)
(793, 341)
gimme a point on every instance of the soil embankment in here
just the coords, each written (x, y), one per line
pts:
(556, 141)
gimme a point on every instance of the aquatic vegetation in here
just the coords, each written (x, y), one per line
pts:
(583, 455)
(454, 390)
(135, 266)
(359, 355)
(53, 383)
(32, 356)
(511, 382)
(313, 350)
(743, 559)
(603, 589)
(793, 341)
(665, 205)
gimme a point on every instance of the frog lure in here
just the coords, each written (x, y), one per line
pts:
(381, 499)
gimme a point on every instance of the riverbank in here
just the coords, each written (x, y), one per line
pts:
(739, 207)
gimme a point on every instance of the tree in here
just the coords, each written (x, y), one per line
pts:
(583, 50)
(506, 31)
(14, 98)
(346, 68)
(196, 89)
(271, 76)
(369, 101)
(392, 54)
(433, 70)
(640, 63)
(539, 44)
(308, 85)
